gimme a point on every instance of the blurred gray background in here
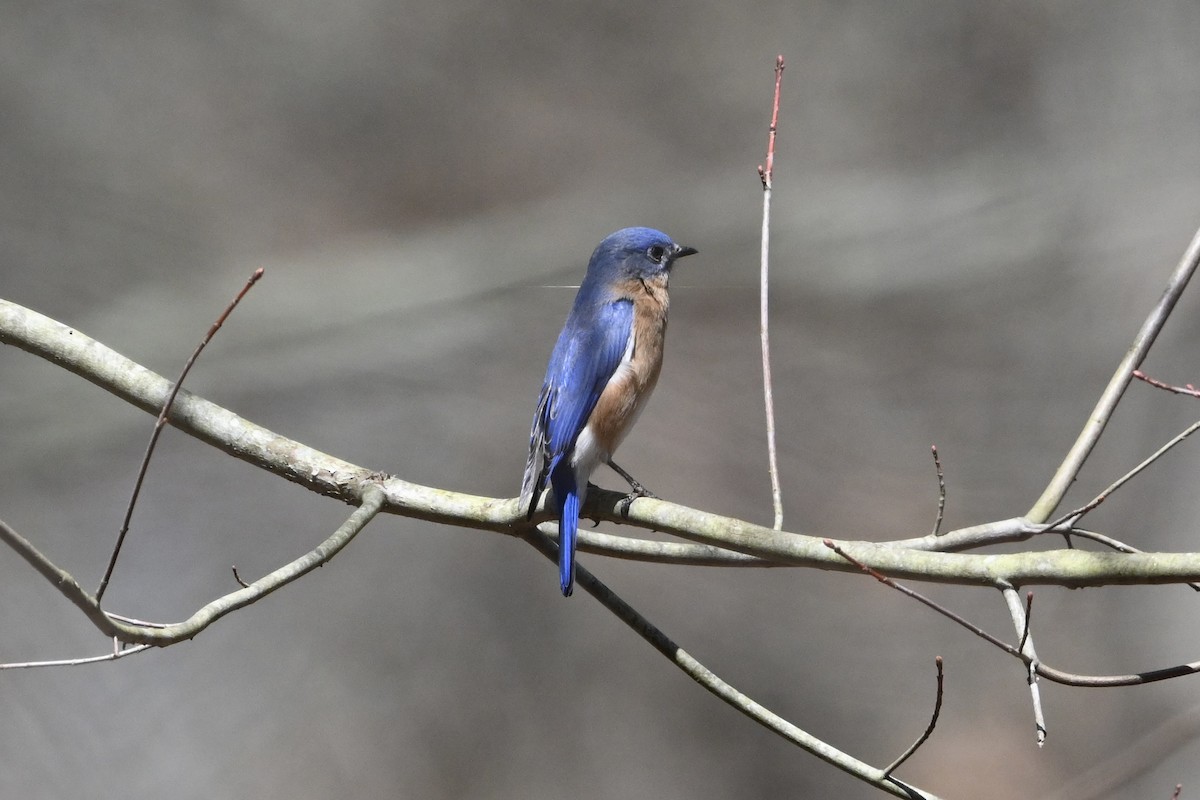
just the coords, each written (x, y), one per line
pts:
(976, 206)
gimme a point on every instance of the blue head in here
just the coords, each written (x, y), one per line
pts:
(634, 253)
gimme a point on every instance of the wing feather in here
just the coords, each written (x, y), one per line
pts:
(588, 352)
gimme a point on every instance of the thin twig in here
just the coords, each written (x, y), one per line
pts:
(717, 686)
(1074, 516)
(941, 479)
(1028, 617)
(75, 662)
(1043, 670)
(1065, 475)
(936, 606)
(766, 173)
(163, 635)
(937, 710)
(158, 426)
(1020, 617)
(238, 578)
(1187, 389)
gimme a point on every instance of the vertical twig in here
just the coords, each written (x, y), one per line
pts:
(941, 479)
(1020, 617)
(766, 173)
(158, 426)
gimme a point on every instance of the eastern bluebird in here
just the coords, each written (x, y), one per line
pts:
(601, 374)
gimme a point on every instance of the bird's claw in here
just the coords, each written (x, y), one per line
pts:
(638, 491)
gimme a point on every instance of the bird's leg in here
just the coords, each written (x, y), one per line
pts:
(637, 490)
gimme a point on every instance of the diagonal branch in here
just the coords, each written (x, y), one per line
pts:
(1071, 517)
(1098, 419)
(718, 686)
(158, 427)
(161, 635)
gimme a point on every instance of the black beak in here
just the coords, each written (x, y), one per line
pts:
(681, 251)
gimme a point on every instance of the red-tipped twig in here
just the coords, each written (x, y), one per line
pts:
(766, 173)
(1187, 389)
(158, 426)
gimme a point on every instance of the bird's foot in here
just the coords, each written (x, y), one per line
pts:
(638, 491)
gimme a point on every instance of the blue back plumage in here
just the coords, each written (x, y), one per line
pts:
(589, 350)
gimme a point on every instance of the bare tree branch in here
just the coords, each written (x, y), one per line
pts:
(117, 653)
(1098, 419)
(1020, 616)
(719, 687)
(766, 173)
(162, 635)
(334, 477)
(158, 426)
(933, 720)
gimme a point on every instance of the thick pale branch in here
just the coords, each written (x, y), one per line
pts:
(334, 477)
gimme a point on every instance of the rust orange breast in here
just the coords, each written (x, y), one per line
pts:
(629, 388)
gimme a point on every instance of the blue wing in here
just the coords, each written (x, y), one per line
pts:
(588, 351)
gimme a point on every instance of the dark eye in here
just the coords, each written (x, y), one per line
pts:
(656, 253)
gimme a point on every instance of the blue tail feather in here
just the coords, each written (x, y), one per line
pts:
(568, 523)
(566, 496)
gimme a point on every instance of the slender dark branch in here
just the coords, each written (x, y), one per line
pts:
(719, 687)
(937, 710)
(936, 606)
(1025, 624)
(941, 479)
(1056, 489)
(158, 427)
(1107, 681)
(1050, 673)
